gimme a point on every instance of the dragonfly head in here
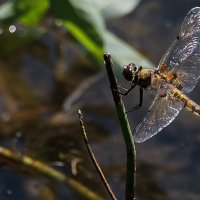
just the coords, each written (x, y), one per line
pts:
(130, 72)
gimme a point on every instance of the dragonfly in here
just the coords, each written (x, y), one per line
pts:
(177, 74)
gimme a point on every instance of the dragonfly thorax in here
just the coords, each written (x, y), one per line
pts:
(139, 75)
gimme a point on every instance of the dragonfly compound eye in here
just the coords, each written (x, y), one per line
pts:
(129, 71)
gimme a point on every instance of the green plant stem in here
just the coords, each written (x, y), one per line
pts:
(125, 127)
(37, 167)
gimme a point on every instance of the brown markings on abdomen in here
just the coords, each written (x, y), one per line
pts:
(193, 107)
(188, 103)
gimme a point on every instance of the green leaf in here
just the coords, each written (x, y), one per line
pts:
(124, 54)
(83, 20)
(116, 8)
(30, 12)
(83, 38)
(23, 11)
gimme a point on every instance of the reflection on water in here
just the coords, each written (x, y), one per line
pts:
(42, 85)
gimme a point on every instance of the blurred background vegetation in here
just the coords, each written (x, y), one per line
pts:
(51, 65)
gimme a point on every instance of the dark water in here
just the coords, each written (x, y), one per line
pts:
(42, 86)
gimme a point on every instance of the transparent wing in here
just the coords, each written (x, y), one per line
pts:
(162, 112)
(183, 56)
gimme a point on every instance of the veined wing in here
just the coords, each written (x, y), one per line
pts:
(162, 112)
(183, 56)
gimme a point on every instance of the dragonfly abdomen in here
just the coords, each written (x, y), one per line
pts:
(188, 103)
(193, 107)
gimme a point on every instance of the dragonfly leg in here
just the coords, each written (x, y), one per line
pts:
(129, 90)
(140, 103)
(121, 87)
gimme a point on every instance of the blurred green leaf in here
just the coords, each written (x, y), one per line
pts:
(83, 20)
(23, 11)
(122, 53)
(31, 12)
(116, 8)
(83, 38)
